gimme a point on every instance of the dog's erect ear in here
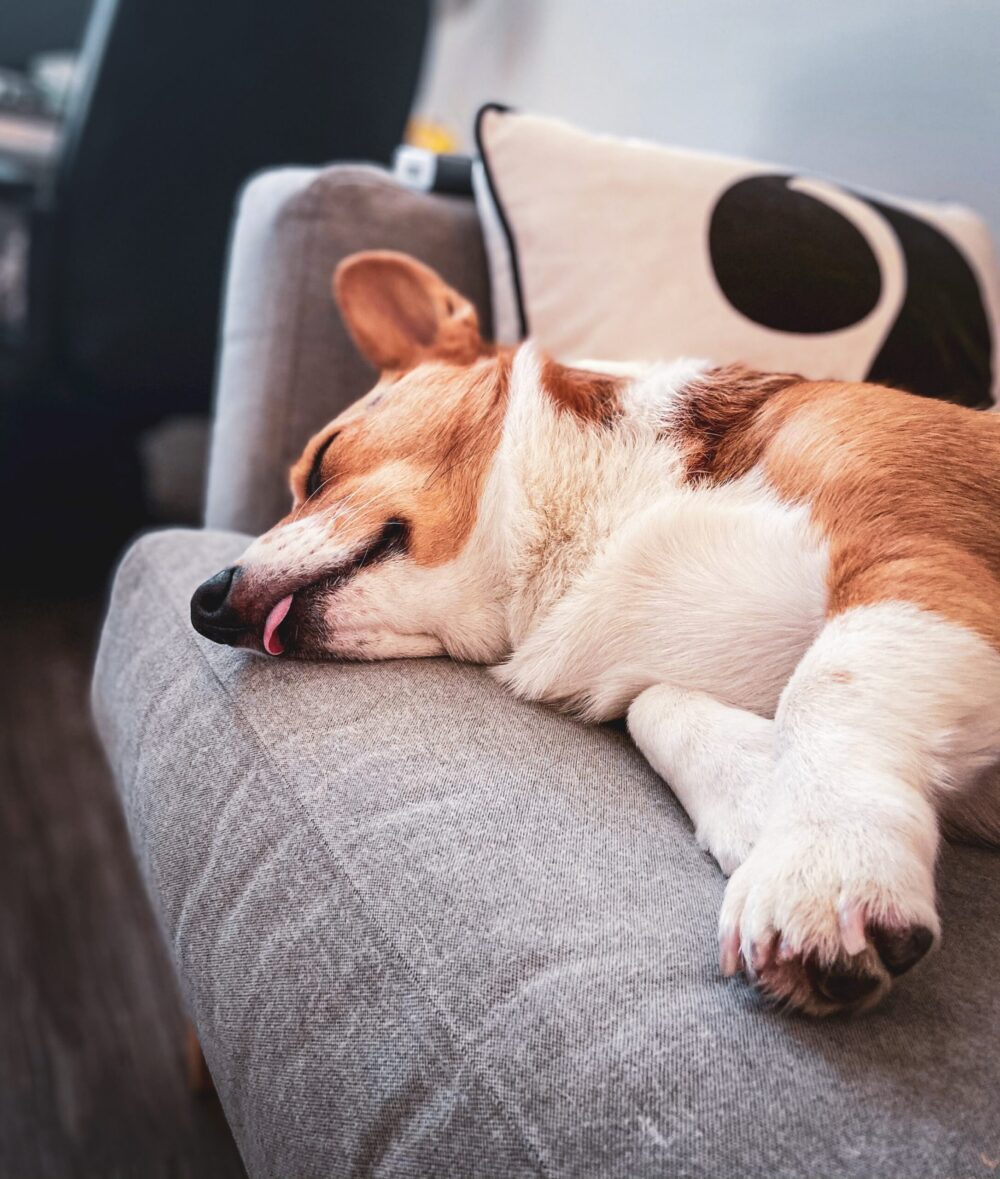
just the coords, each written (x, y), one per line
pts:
(401, 313)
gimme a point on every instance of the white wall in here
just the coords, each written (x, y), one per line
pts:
(898, 95)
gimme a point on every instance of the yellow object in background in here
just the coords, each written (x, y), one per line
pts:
(431, 136)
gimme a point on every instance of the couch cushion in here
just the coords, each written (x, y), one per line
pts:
(427, 930)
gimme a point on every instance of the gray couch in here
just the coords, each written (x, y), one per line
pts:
(426, 930)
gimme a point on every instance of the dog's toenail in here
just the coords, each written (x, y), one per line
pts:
(729, 952)
(852, 928)
(786, 951)
(761, 953)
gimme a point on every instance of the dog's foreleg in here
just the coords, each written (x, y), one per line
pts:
(718, 760)
(891, 709)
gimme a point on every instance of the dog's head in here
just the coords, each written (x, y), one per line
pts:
(367, 564)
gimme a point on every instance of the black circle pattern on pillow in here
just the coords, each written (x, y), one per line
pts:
(792, 263)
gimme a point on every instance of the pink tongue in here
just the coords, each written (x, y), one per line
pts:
(272, 642)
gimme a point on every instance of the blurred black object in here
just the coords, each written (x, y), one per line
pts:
(180, 102)
(30, 27)
(429, 171)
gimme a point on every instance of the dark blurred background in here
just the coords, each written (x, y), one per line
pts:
(126, 130)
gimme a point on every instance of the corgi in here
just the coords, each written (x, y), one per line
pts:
(790, 589)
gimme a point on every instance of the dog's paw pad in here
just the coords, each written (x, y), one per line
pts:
(900, 949)
(841, 983)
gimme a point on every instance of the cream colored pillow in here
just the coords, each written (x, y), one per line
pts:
(613, 249)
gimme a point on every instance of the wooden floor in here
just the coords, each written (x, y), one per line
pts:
(92, 1078)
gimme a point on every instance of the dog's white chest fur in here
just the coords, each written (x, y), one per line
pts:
(622, 576)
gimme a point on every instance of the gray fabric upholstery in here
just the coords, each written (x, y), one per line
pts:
(287, 365)
(426, 930)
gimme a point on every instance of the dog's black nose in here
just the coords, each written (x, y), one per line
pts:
(212, 615)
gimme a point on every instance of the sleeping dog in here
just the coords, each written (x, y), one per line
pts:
(791, 589)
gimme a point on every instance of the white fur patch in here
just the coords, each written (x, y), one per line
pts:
(621, 575)
(717, 589)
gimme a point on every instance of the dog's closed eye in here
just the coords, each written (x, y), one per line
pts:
(315, 480)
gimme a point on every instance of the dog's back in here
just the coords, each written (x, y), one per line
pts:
(905, 489)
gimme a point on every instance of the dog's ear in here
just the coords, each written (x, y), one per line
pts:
(401, 313)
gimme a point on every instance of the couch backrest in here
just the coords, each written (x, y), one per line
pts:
(287, 365)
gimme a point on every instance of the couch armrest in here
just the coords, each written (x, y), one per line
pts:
(286, 362)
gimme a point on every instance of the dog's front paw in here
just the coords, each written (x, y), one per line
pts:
(823, 918)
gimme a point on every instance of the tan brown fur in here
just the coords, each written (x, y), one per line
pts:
(719, 423)
(592, 397)
(402, 314)
(418, 446)
(420, 455)
(905, 489)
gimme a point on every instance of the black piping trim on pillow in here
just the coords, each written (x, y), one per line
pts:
(515, 267)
